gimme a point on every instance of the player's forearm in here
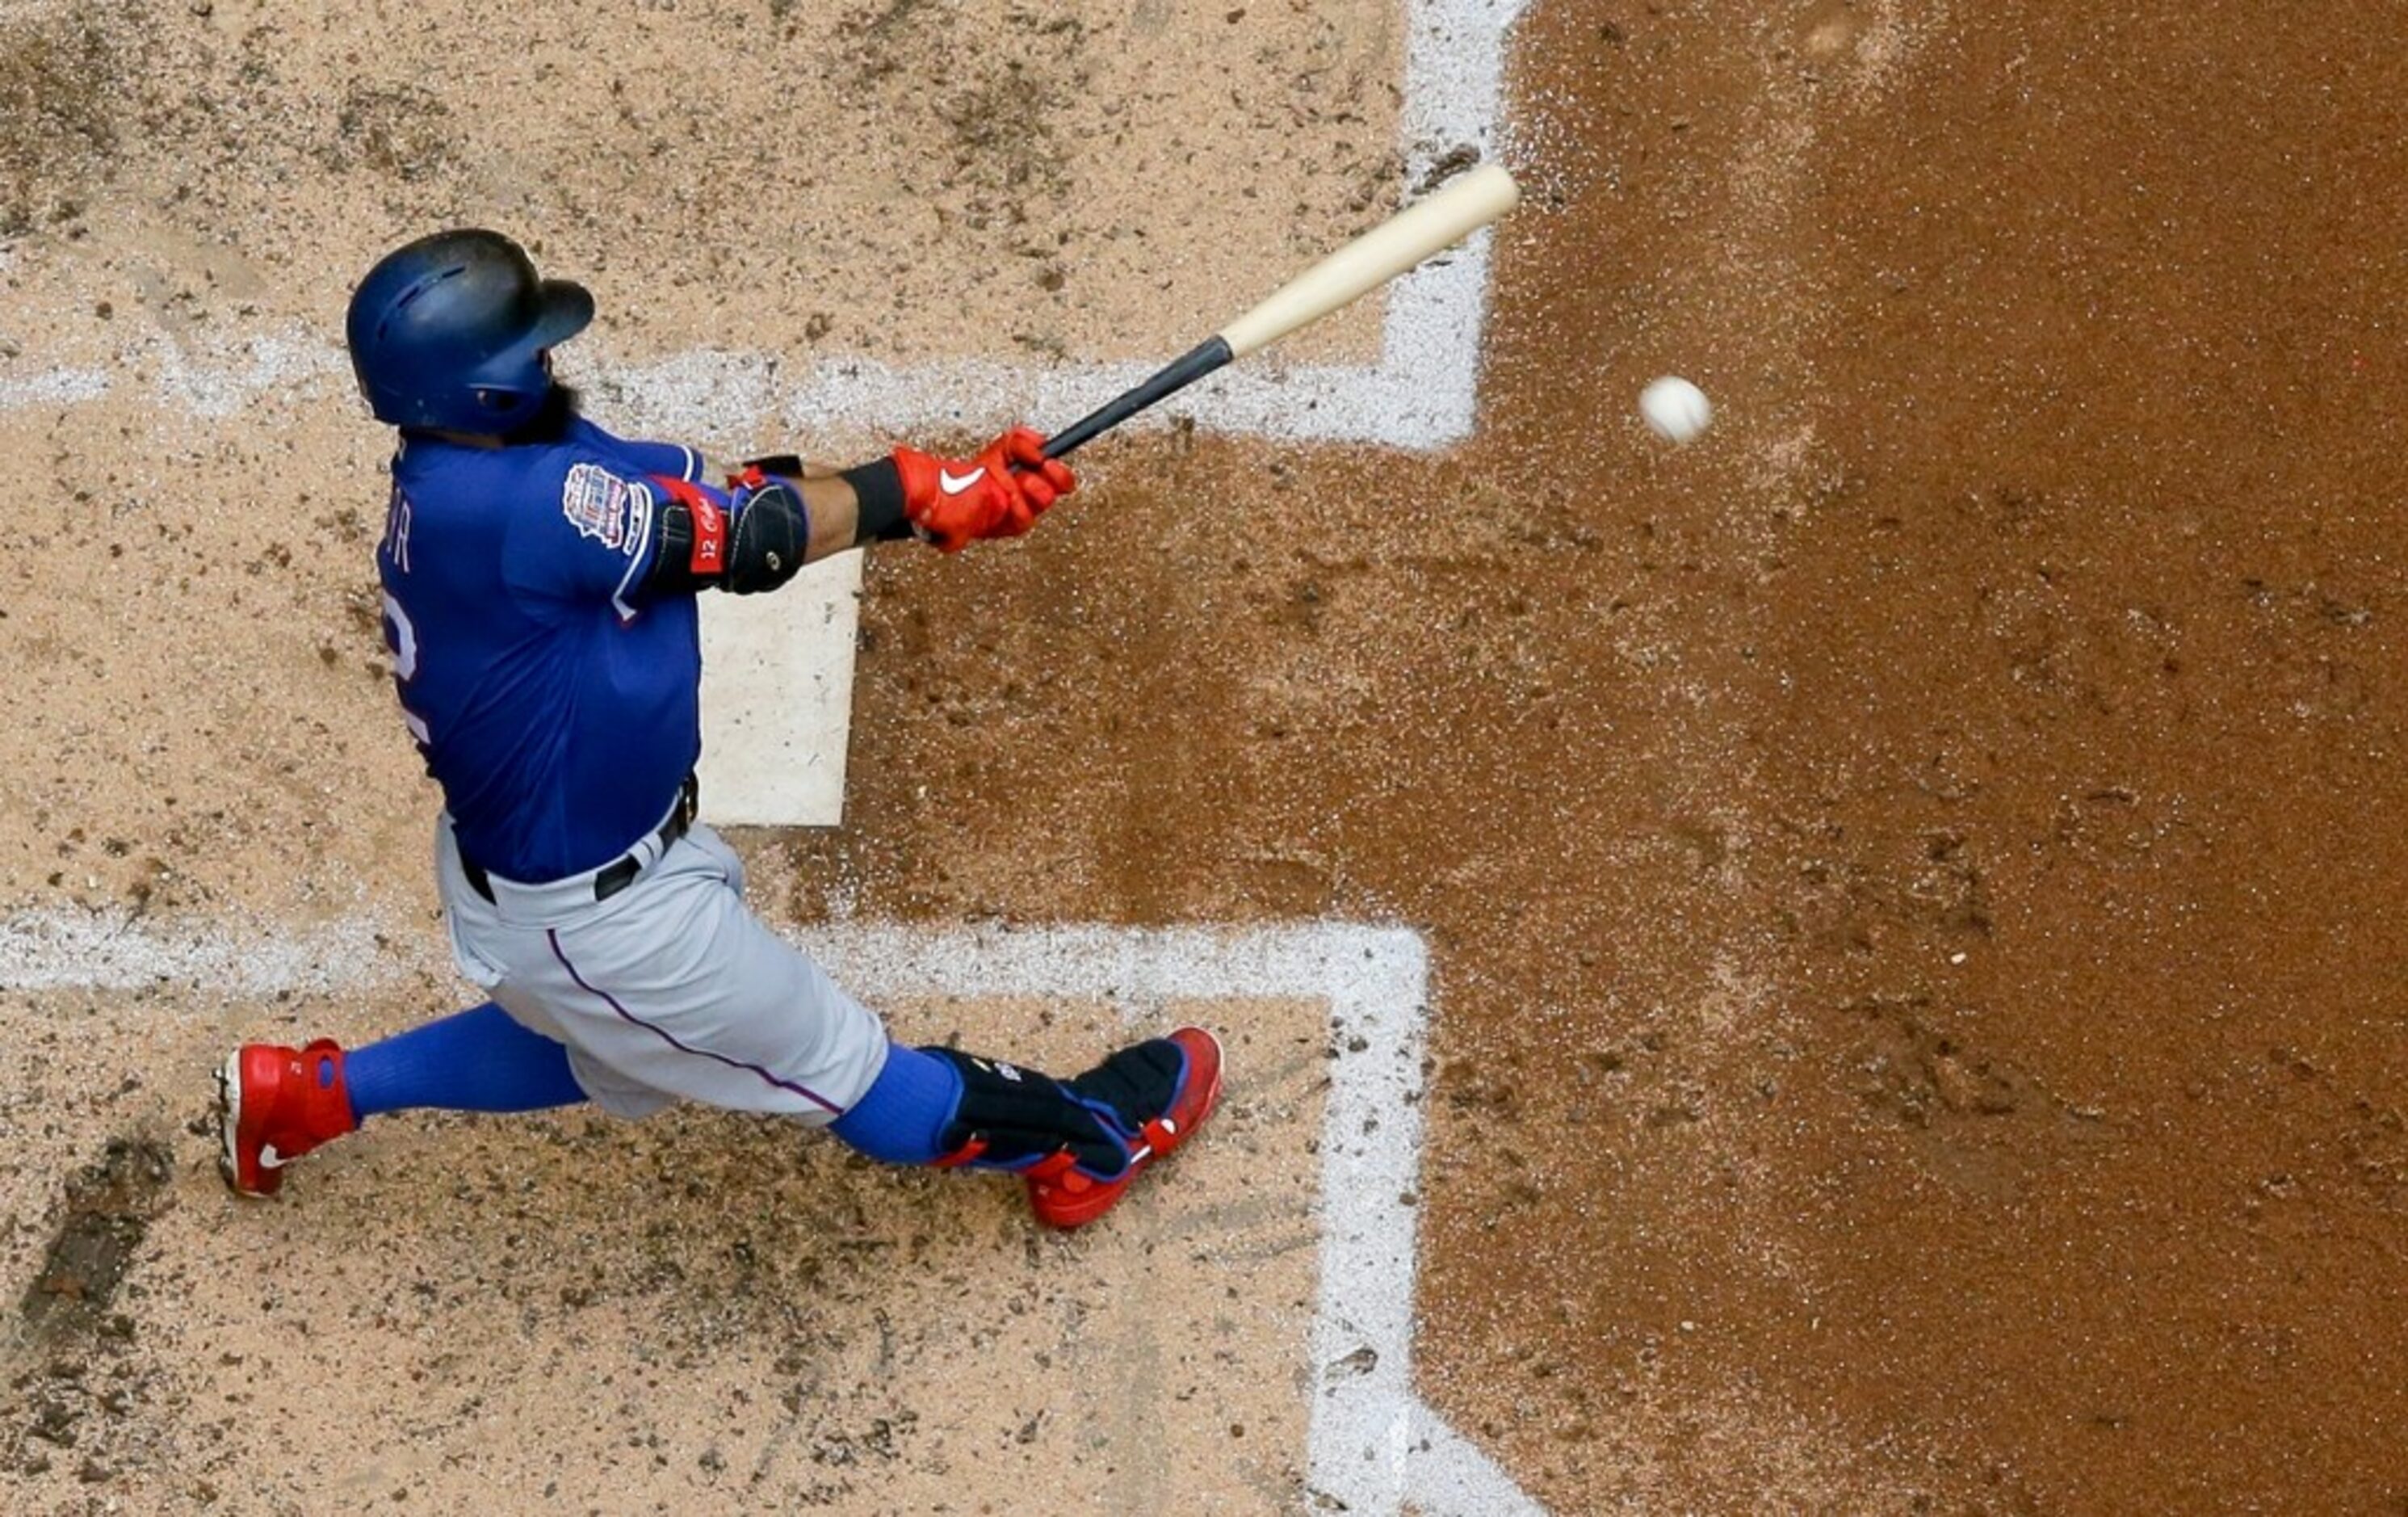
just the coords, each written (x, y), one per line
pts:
(845, 508)
(780, 513)
(835, 515)
(852, 508)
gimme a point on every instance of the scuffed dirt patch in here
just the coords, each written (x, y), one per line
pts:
(58, 112)
(78, 1390)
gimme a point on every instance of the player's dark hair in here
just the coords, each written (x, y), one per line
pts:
(561, 405)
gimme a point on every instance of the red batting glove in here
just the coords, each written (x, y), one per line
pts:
(1001, 493)
(1037, 480)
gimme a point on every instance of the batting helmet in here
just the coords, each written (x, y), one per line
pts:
(449, 332)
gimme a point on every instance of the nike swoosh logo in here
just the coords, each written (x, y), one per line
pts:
(952, 486)
(270, 1159)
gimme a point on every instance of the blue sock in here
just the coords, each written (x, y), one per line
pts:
(902, 1118)
(478, 1060)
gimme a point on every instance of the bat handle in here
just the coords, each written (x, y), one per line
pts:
(1176, 375)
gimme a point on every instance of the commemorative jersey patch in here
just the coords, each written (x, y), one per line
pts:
(597, 504)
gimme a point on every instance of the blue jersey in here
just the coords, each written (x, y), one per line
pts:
(558, 708)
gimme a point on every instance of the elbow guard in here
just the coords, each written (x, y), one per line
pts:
(755, 542)
(772, 534)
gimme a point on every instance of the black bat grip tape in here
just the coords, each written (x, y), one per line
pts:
(1174, 376)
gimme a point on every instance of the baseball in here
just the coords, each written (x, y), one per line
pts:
(1675, 409)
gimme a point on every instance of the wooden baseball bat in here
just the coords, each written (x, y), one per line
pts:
(1461, 207)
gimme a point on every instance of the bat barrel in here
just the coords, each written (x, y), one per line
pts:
(1463, 206)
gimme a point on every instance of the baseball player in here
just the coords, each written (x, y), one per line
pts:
(539, 581)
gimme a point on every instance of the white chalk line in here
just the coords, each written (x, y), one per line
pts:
(1421, 394)
(65, 950)
(1373, 1443)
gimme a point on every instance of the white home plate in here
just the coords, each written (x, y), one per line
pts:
(777, 700)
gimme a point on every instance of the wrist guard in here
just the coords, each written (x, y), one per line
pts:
(879, 489)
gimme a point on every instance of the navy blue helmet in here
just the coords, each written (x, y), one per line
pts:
(451, 332)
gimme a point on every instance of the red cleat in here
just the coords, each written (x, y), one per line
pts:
(1066, 1196)
(275, 1105)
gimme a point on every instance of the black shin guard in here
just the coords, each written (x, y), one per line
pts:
(1009, 1118)
(1138, 1083)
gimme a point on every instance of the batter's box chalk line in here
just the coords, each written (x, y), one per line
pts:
(1373, 1445)
(1421, 393)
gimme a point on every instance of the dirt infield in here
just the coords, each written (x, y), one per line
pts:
(700, 1314)
(1909, 881)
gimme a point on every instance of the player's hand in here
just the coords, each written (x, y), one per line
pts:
(1001, 493)
(1037, 480)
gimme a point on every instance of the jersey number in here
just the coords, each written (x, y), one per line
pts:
(402, 637)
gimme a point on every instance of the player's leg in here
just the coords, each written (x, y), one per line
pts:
(478, 1060)
(278, 1102)
(680, 992)
(671, 990)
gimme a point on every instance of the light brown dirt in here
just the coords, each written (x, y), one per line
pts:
(703, 1312)
(198, 738)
